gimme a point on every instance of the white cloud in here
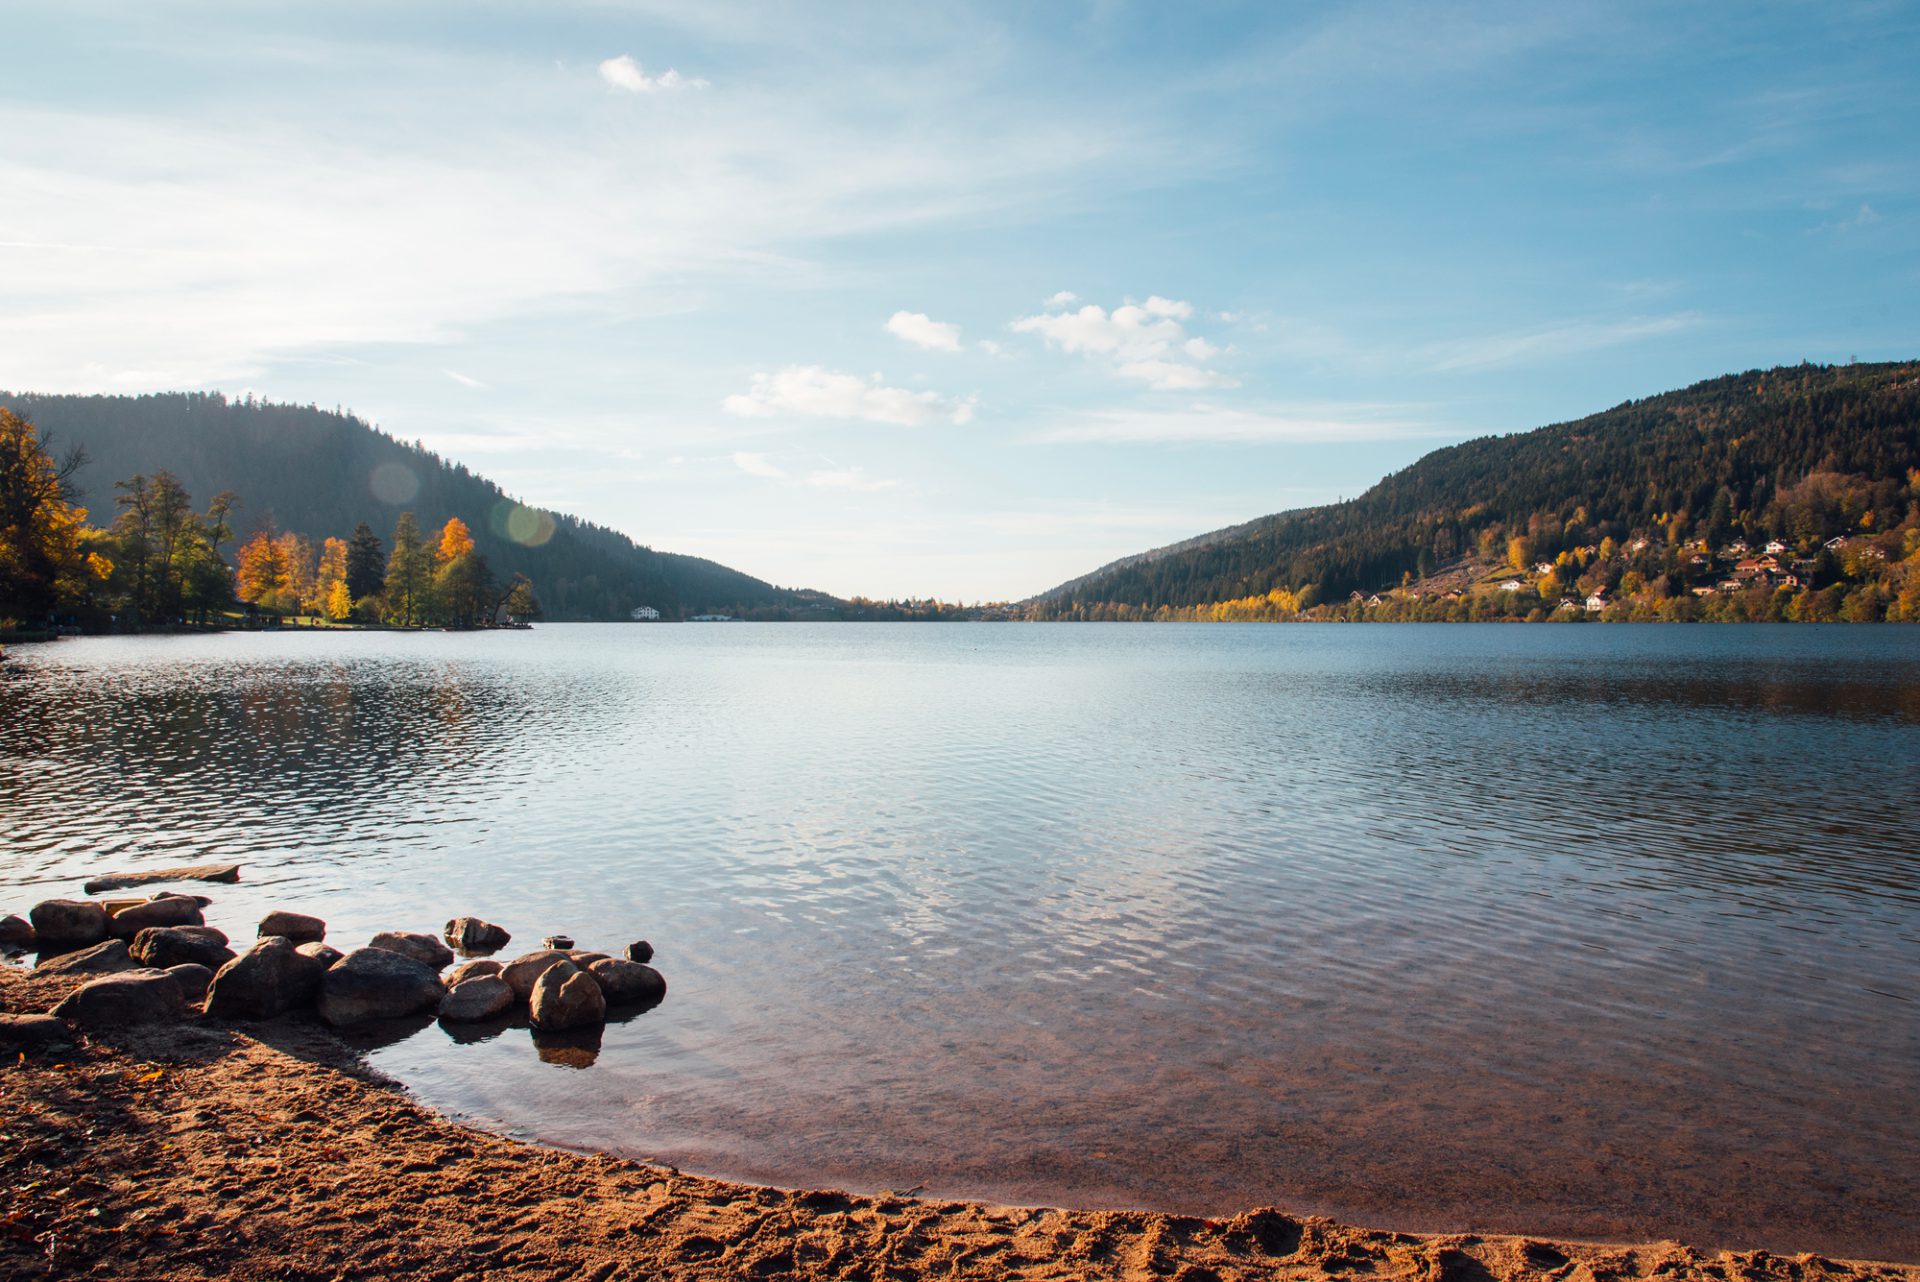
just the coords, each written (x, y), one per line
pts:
(1548, 342)
(626, 74)
(1146, 342)
(464, 380)
(1213, 424)
(848, 478)
(917, 328)
(812, 391)
(757, 465)
(1062, 298)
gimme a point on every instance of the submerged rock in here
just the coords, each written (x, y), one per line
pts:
(193, 979)
(196, 872)
(479, 998)
(136, 997)
(62, 924)
(471, 970)
(167, 910)
(170, 946)
(472, 935)
(559, 943)
(640, 951)
(423, 948)
(378, 983)
(298, 927)
(628, 983)
(268, 979)
(567, 997)
(522, 973)
(16, 932)
(101, 959)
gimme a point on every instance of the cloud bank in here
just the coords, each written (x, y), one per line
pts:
(1142, 342)
(813, 391)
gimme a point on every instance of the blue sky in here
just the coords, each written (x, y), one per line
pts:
(950, 300)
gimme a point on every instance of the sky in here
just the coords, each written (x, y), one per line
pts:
(949, 300)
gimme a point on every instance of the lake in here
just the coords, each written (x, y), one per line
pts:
(1600, 931)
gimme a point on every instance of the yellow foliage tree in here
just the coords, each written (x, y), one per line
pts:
(262, 574)
(455, 541)
(339, 600)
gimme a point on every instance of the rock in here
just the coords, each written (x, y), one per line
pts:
(106, 958)
(193, 979)
(165, 947)
(268, 979)
(136, 997)
(471, 935)
(559, 943)
(298, 927)
(628, 983)
(195, 872)
(209, 933)
(582, 959)
(471, 970)
(325, 954)
(378, 983)
(479, 998)
(566, 997)
(32, 1032)
(16, 932)
(63, 924)
(423, 948)
(170, 910)
(522, 973)
(640, 951)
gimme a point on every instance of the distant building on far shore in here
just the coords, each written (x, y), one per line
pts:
(712, 618)
(645, 614)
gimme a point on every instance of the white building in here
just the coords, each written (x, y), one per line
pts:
(645, 614)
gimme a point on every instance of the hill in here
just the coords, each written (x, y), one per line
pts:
(320, 473)
(1802, 455)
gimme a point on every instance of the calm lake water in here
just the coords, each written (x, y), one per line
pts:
(1603, 931)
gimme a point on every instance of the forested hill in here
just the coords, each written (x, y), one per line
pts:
(320, 473)
(1801, 453)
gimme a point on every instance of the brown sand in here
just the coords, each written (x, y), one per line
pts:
(271, 1151)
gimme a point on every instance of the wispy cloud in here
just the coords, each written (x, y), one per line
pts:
(922, 331)
(847, 478)
(812, 391)
(625, 74)
(1143, 342)
(757, 465)
(464, 380)
(1221, 425)
(1549, 342)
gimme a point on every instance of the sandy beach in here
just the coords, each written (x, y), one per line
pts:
(269, 1150)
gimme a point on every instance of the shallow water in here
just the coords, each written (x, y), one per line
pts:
(1597, 931)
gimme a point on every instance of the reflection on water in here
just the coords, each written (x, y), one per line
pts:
(1601, 931)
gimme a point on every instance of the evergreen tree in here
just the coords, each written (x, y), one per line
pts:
(366, 563)
(409, 574)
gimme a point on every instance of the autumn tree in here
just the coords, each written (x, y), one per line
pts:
(262, 575)
(455, 541)
(521, 602)
(302, 581)
(42, 544)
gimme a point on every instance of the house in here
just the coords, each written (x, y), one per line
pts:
(1702, 591)
(1597, 602)
(1568, 603)
(1737, 548)
(1786, 581)
(1543, 567)
(1776, 548)
(712, 618)
(1374, 599)
(1769, 563)
(1637, 546)
(1836, 543)
(644, 614)
(1511, 585)
(1748, 569)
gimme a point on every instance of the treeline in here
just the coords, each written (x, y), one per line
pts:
(1797, 455)
(161, 562)
(319, 472)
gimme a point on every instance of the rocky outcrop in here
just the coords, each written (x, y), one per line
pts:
(471, 970)
(60, 925)
(482, 997)
(298, 927)
(193, 979)
(567, 997)
(16, 932)
(522, 973)
(119, 1001)
(640, 951)
(268, 979)
(196, 872)
(167, 946)
(105, 958)
(378, 983)
(627, 983)
(423, 948)
(168, 910)
(472, 935)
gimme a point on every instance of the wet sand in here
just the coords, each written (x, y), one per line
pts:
(271, 1150)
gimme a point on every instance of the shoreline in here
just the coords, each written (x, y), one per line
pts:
(272, 1149)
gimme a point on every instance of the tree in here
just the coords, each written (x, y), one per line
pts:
(409, 573)
(41, 530)
(339, 600)
(302, 583)
(463, 590)
(521, 602)
(366, 563)
(455, 541)
(262, 576)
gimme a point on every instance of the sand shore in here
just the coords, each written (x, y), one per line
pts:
(270, 1151)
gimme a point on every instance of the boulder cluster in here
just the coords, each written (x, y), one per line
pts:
(156, 960)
